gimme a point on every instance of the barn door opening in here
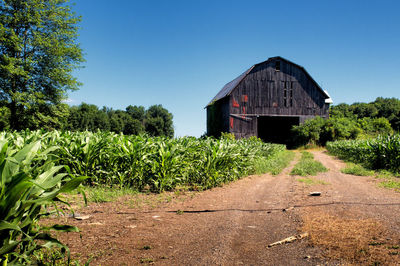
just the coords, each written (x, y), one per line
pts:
(276, 129)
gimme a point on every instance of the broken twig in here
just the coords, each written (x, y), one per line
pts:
(289, 239)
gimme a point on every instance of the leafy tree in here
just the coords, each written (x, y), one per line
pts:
(87, 117)
(341, 110)
(136, 112)
(38, 53)
(390, 109)
(364, 110)
(158, 121)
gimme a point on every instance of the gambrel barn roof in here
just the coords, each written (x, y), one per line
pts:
(230, 86)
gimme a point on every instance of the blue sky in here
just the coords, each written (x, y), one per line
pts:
(181, 53)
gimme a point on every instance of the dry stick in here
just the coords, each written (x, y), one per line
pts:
(289, 239)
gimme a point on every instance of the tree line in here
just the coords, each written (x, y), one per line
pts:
(134, 120)
(350, 121)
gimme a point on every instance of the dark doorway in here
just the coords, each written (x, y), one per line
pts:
(276, 129)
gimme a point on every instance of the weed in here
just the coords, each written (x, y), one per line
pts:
(275, 164)
(356, 169)
(105, 194)
(146, 260)
(308, 166)
(179, 212)
(311, 181)
(395, 184)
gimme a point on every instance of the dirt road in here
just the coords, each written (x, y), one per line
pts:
(353, 221)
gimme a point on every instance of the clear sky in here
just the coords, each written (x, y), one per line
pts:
(181, 53)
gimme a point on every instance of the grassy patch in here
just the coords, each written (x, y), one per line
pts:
(388, 179)
(311, 181)
(356, 169)
(274, 164)
(106, 194)
(394, 184)
(308, 166)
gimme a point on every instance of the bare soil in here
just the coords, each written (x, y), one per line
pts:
(353, 222)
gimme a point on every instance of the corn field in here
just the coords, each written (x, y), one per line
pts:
(151, 163)
(382, 152)
(35, 167)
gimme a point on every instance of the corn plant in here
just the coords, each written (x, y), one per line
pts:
(29, 181)
(143, 161)
(382, 152)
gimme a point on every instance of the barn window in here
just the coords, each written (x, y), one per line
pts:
(277, 65)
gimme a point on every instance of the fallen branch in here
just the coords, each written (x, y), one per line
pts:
(289, 239)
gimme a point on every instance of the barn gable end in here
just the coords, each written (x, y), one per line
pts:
(266, 101)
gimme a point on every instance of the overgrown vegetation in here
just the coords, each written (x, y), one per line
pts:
(356, 121)
(307, 165)
(275, 164)
(382, 152)
(356, 169)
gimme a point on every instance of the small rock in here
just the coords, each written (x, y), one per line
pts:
(251, 226)
(155, 217)
(132, 226)
(81, 217)
(307, 257)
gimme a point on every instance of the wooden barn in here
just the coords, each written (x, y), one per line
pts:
(266, 101)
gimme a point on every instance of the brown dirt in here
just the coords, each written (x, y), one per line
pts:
(352, 222)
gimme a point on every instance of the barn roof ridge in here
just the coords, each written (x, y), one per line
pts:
(230, 86)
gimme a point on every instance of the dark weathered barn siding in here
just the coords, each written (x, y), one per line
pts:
(266, 91)
(218, 118)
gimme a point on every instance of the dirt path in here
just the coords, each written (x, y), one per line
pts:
(232, 225)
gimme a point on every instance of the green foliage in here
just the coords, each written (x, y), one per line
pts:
(29, 182)
(356, 169)
(318, 131)
(308, 166)
(275, 164)
(154, 163)
(311, 181)
(382, 152)
(309, 132)
(388, 108)
(158, 121)
(38, 54)
(4, 118)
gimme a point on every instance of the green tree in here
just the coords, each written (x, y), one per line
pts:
(38, 53)
(364, 110)
(158, 121)
(136, 112)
